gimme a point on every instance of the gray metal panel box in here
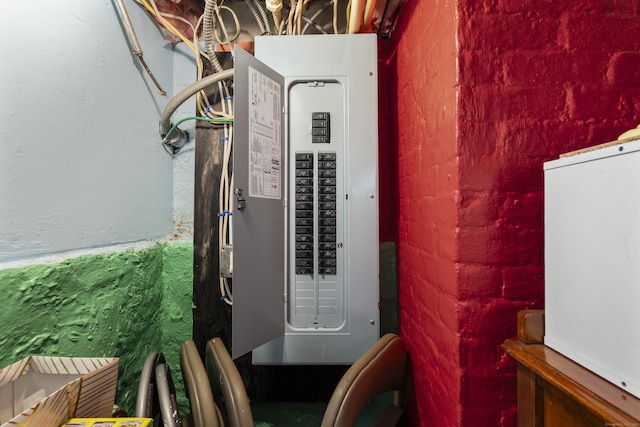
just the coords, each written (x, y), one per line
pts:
(330, 184)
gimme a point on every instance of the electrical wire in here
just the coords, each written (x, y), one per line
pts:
(291, 18)
(153, 9)
(223, 27)
(225, 191)
(172, 137)
(263, 14)
(256, 15)
(203, 119)
(212, 16)
(187, 93)
(369, 8)
(356, 16)
(201, 96)
(291, 24)
(228, 40)
(275, 7)
(212, 27)
(299, 15)
(311, 21)
(207, 32)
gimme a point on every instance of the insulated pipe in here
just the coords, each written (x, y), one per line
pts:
(182, 96)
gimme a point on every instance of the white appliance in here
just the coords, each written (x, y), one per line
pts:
(592, 261)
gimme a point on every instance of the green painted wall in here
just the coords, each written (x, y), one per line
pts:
(124, 305)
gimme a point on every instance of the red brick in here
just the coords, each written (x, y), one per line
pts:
(562, 137)
(534, 138)
(522, 175)
(478, 139)
(520, 246)
(588, 65)
(509, 415)
(493, 103)
(477, 208)
(481, 416)
(609, 130)
(437, 382)
(507, 31)
(554, 8)
(478, 281)
(500, 173)
(485, 391)
(596, 31)
(583, 105)
(537, 67)
(624, 69)
(481, 355)
(478, 245)
(476, 69)
(524, 209)
(470, 175)
(489, 318)
(524, 283)
(479, 174)
(532, 7)
(626, 6)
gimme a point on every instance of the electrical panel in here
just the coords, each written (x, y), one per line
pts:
(306, 214)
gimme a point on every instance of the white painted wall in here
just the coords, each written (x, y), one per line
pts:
(81, 164)
(184, 73)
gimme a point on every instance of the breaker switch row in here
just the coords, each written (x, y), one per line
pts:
(327, 209)
(304, 213)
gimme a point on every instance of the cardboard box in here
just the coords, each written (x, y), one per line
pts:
(109, 422)
(42, 391)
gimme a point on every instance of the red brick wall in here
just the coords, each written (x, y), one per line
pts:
(486, 91)
(427, 197)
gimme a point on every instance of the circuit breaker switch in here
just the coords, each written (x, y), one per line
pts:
(320, 128)
(304, 184)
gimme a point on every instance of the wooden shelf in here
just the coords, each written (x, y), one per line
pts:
(554, 391)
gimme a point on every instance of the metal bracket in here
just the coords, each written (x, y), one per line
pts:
(226, 261)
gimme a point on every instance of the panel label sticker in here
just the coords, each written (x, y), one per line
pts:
(265, 141)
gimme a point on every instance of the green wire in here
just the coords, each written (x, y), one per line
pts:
(203, 119)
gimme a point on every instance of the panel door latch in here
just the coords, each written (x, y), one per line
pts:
(241, 202)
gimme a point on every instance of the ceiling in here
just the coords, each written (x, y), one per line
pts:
(317, 16)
